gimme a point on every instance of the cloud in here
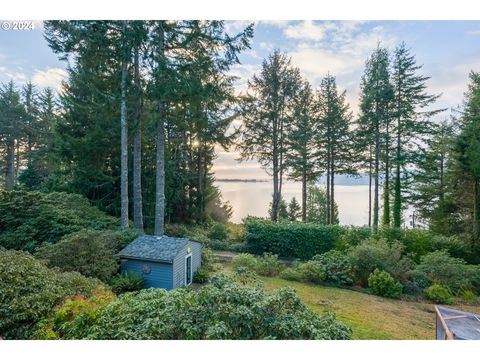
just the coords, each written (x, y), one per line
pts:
(51, 77)
(306, 30)
(16, 76)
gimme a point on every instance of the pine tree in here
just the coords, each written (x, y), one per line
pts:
(300, 157)
(333, 137)
(411, 123)
(266, 113)
(294, 210)
(375, 112)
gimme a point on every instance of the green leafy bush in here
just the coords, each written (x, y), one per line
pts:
(90, 252)
(352, 237)
(336, 267)
(294, 240)
(383, 284)
(245, 260)
(29, 219)
(226, 308)
(292, 274)
(378, 254)
(126, 282)
(311, 271)
(218, 231)
(201, 276)
(76, 309)
(29, 290)
(439, 293)
(440, 268)
(269, 265)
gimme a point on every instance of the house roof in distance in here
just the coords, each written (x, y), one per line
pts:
(154, 248)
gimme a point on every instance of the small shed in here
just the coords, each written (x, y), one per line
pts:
(454, 324)
(165, 262)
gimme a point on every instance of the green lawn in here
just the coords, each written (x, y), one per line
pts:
(370, 317)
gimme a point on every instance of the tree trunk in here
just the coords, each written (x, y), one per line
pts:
(160, 161)
(17, 161)
(332, 196)
(137, 149)
(386, 187)
(376, 176)
(370, 187)
(397, 208)
(10, 173)
(476, 211)
(124, 140)
(327, 220)
(304, 196)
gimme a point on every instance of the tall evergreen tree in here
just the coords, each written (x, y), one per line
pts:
(334, 138)
(375, 105)
(300, 157)
(411, 123)
(266, 113)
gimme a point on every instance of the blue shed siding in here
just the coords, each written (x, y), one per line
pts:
(160, 276)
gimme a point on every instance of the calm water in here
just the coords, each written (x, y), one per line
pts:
(253, 198)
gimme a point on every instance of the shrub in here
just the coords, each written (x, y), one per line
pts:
(352, 237)
(311, 271)
(245, 260)
(29, 219)
(420, 242)
(90, 252)
(440, 268)
(201, 276)
(29, 290)
(78, 309)
(439, 294)
(291, 274)
(226, 308)
(294, 240)
(126, 282)
(378, 254)
(383, 284)
(412, 288)
(335, 266)
(218, 231)
(269, 265)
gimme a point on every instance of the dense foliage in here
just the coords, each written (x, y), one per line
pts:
(439, 294)
(378, 254)
(383, 284)
(294, 240)
(226, 308)
(126, 282)
(90, 252)
(441, 268)
(29, 291)
(30, 219)
(336, 267)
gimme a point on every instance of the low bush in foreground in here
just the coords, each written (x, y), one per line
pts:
(383, 284)
(29, 290)
(225, 308)
(439, 294)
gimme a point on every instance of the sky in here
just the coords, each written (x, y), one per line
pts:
(448, 50)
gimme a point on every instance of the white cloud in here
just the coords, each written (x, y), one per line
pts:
(236, 25)
(306, 30)
(51, 77)
(16, 76)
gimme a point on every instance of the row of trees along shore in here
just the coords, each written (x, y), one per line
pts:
(164, 89)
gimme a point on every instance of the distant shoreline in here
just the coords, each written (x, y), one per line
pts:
(242, 180)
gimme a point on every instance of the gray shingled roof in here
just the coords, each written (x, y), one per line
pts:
(156, 248)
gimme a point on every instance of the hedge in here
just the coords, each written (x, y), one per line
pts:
(292, 240)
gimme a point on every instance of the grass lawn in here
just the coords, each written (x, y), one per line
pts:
(370, 317)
